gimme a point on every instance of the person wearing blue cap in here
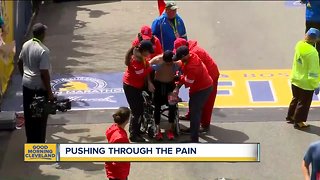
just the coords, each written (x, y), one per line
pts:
(305, 78)
(312, 16)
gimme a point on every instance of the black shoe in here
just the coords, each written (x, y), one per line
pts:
(290, 120)
(201, 130)
(185, 131)
(204, 130)
(135, 138)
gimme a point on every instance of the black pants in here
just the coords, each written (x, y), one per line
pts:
(300, 104)
(35, 127)
(135, 101)
(316, 25)
(196, 104)
(160, 98)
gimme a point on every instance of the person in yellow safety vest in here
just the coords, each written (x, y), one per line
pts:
(305, 78)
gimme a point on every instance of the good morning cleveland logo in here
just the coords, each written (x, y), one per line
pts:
(40, 152)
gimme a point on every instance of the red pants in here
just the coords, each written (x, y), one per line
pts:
(208, 107)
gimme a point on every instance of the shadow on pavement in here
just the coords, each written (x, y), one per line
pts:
(61, 19)
(12, 165)
(312, 130)
(222, 135)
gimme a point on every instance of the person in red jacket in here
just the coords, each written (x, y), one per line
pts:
(117, 134)
(133, 84)
(146, 34)
(195, 75)
(214, 73)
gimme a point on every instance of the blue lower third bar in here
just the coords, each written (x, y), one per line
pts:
(261, 91)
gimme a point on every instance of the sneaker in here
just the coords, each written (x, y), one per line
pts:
(159, 136)
(289, 120)
(301, 125)
(184, 118)
(135, 138)
(170, 135)
(204, 130)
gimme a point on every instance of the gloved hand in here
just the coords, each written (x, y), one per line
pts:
(316, 91)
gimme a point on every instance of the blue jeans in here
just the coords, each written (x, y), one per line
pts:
(196, 104)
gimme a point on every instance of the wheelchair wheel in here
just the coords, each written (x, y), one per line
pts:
(151, 132)
(176, 123)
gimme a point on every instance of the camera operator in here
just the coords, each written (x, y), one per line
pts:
(34, 66)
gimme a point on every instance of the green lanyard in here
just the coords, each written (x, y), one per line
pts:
(36, 40)
(174, 26)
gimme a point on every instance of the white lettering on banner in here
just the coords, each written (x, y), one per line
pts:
(95, 91)
(80, 99)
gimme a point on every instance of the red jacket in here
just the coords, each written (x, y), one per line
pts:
(136, 73)
(205, 58)
(156, 46)
(117, 170)
(195, 75)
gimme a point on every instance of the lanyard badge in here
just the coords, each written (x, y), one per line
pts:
(174, 27)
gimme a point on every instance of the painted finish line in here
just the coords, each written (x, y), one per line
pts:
(236, 89)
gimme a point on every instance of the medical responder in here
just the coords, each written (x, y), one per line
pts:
(195, 75)
(146, 34)
(214, 73)
(138, 69)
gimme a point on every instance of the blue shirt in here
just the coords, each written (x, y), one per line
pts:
(164, 30)
(313, 10)
(313, 157)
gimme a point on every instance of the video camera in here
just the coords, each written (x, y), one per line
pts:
(41, 106)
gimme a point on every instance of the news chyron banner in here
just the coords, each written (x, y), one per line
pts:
(183, 152)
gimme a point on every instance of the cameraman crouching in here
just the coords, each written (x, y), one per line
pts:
(34, 66)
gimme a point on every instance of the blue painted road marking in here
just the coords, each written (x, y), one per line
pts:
(261, 91)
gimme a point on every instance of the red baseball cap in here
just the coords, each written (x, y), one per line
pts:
(146, 32)
(180, 42)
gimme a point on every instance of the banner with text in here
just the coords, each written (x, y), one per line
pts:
(183, 152)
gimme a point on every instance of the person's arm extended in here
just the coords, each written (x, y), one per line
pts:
(128, 56)
(305, 170)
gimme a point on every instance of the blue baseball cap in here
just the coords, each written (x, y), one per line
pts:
(314, 33)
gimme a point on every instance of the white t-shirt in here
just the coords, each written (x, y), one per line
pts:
(35, 56)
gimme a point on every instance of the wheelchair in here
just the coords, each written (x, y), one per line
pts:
(147, 121)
